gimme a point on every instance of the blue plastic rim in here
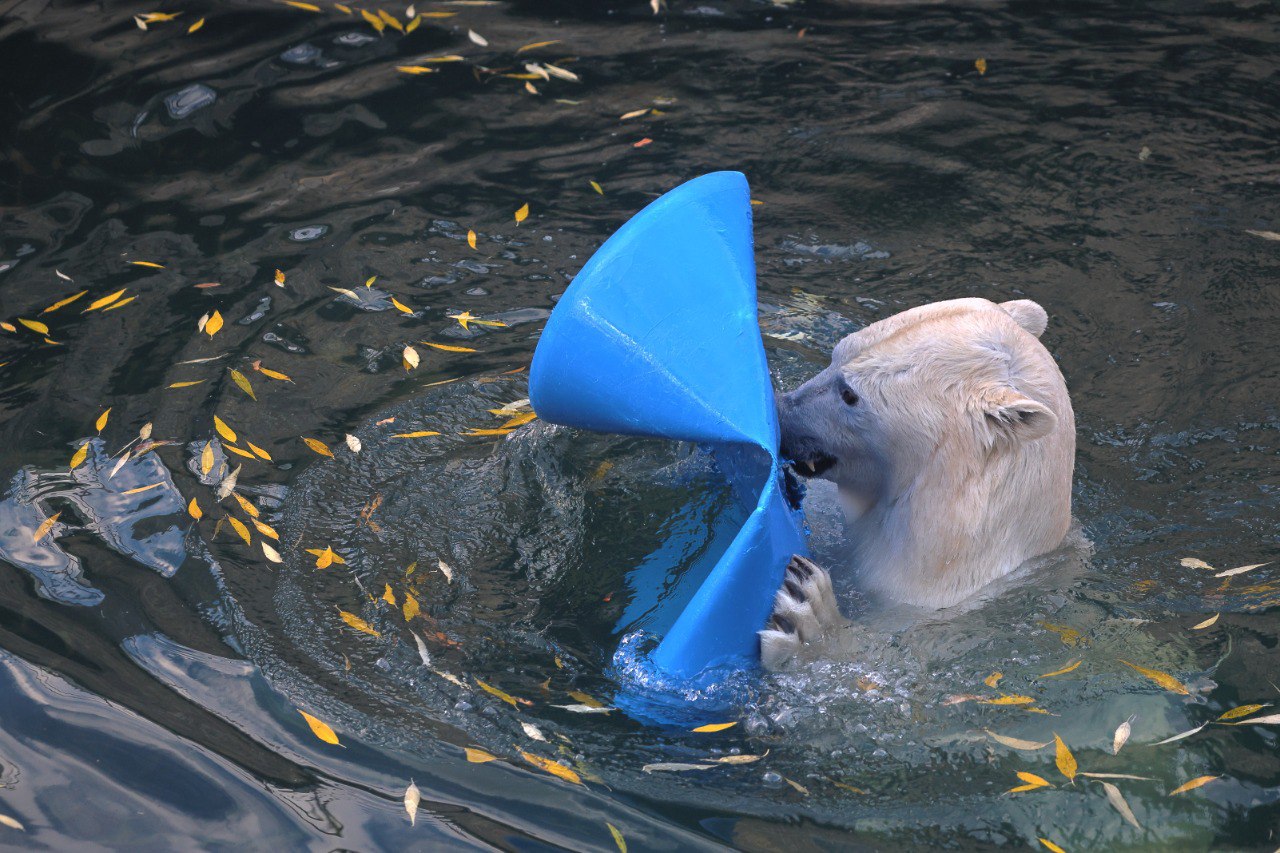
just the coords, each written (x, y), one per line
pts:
(658, 335)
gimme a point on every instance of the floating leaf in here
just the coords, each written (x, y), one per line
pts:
(271, 374)
(493, 691)
(412, 796)
(140, 489)
(389, 596)
(562, 73)
(359, 624)
(45, 526)
(523, 213)
(613, 830)
(1242, 711)
(325, 558)
(149, 264)
(79, 456)
(446, 570)
(194, 510)
(266, 529)
(101, 422)
(270, 553)
(642, 143)
(981, 65)
(471, 239)
(1180, 735)
(1269, 720)
(554, 768)
(993, 679)
(1069, 636)
(206, 458)
(520, 420)
(1193, 563)
(238, 526)
(246, 505)
(1017, 743)
(423, 654)
(318, 446)
(241, 380)
(447, 347)
(410, 357)
(1117, 776)
(34, 325)
(400, 306)
(1071, 667)
(478, 432)
(1121, 737)
(185, 384)
(197, 25)
(1193, 784)
(61, 303)
(223, 430)
(1050, 846)
(534, 46)
(1032, 781)
(1265, 235)
(674, 767)
(410, 607)
(1118, 803)
(1240, 570)
(306, 7)
(422, 433)
(320, 728)
(415, 69)
(533, 732)
(12, 823)
(596, 187)
(1010, 700)
(1206, 623)
(715, 727)
(1063, 758)
(104, 301)
(258, 451)
(214, 324)
(479, 756)
(1168, 682)
(477, 38)
(584, 709)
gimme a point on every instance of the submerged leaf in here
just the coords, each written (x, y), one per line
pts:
(674, 767)
(1268, 720)
(1017, 743)
(1118, 803)
(613, 830)
(320, 728)
(1010, 700)
(422, 433)
(1071, 667)
(1193, 784)
(359, 624)
(493, 691)
(554, 768)
(1168, 682)
(479, 756)
(1180, 735)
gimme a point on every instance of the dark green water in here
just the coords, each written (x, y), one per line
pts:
(1110, 163)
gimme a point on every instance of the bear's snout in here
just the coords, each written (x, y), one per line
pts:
(801, 444)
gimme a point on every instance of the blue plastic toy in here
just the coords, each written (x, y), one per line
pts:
(658, 336)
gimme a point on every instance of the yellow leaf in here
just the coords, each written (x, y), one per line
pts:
(266, 530)
(479, 756)
(186, 384)
(554, 768)
(523, 213)
(617, 838)
(1051, 847)
(104, 301)
(1206, 623)
(79, 456)
(243, 381)
(324, 558)
(149, 264)
(423, 433)
(1071, 667)
(633, 114)
(45, 527)
(8, 327)
(596, 187)
(318, 446)
(238, 526)
(35, 326)
(476, 432)
(1193, 784)
(359, 624)
(991, 680)
(1063, 758)
(320, 729)
(521, 420)
(490, 689)
(214, 324)
(584, 699)
(714, 727)
(412, 25)
(258, 451)
(194, 510)
(206, 458)
(981, 65)
(102, 420)
(415, 69)
(279, 279)
(231, 448)
(1242, 711)
(534, 46)
(306, 7)
(372, 19)
(471, 239)
(388, 596)
(400, 306)
(1034, 780)
(1168, 682)
(1069, 636)
(1009, 700)
(447, 347)
(140, 489)
(64, 302)
(273, 374)
(410, 357)
(223, 430)
(197, 25)
(410, 606)
(246, 505)
(390, 21)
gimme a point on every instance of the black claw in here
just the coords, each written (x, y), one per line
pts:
(794, 589)
(801, 567)
(778, 622)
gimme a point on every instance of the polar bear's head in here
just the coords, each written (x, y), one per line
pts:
(950, 434)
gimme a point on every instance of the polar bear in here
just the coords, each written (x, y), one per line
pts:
(950, 435)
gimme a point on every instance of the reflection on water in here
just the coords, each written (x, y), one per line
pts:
(1111, 162)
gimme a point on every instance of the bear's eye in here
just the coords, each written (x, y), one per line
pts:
(846, 394)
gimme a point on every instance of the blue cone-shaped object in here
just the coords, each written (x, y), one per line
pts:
(658, 336)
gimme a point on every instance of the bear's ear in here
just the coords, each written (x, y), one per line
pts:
(1029, 315)
(1008, 414)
